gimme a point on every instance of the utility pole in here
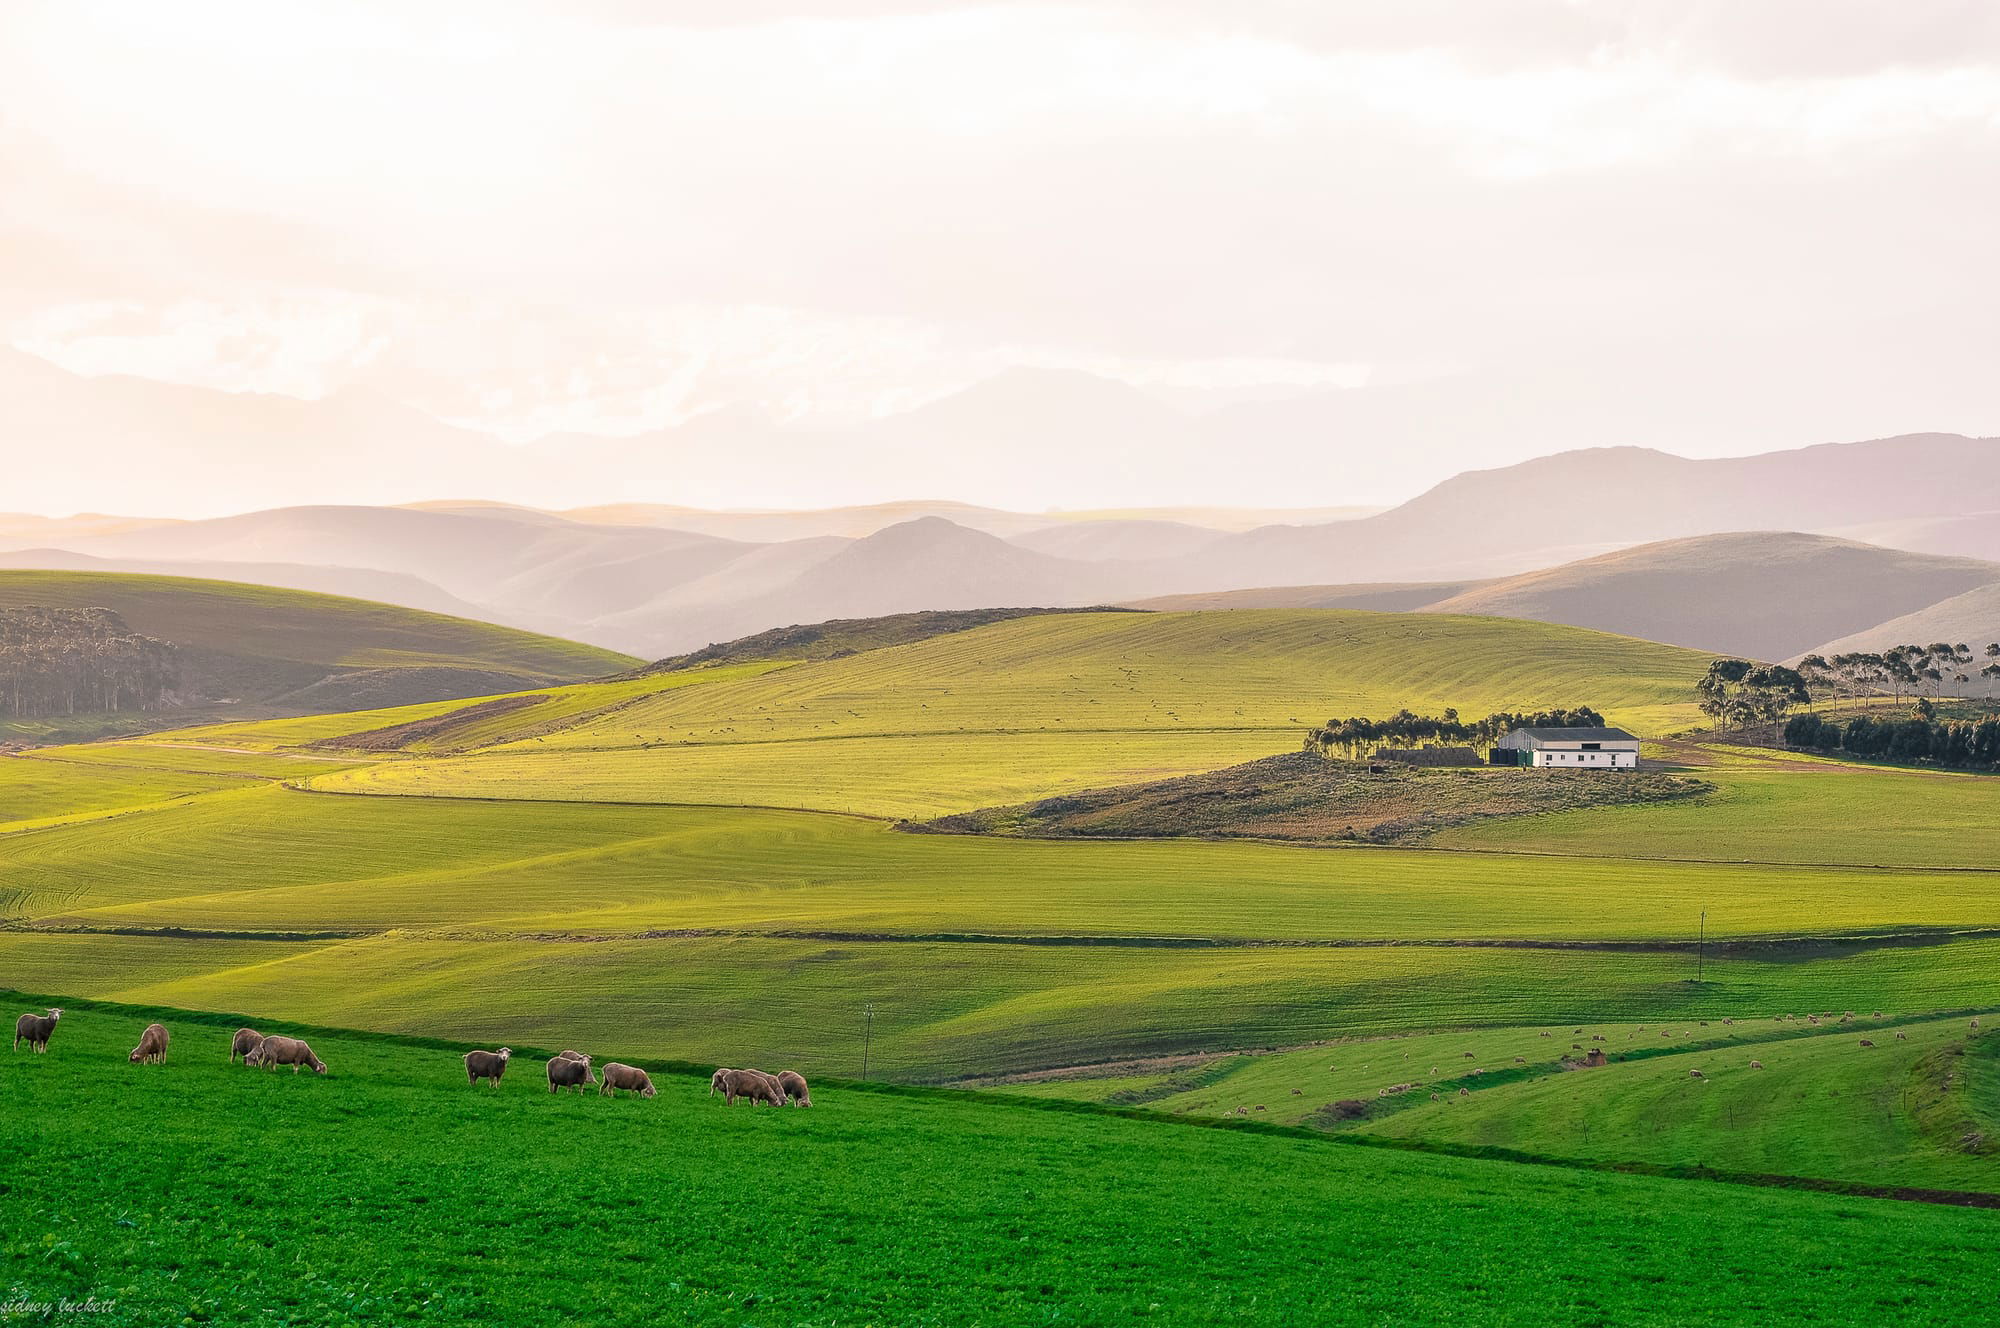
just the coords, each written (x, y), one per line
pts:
(867, 1036)
(1701, 948)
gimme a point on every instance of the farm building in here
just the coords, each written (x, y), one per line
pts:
(1569, 749)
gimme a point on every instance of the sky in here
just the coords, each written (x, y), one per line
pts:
(1730, 225)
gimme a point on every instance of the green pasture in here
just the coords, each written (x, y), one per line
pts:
(944, 1010)
(267, 858)
(390, 1190)
(1798, 811)
(1917, 1111)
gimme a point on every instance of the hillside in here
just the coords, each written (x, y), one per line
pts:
(845, 636)
(263, 651)
(1054, 703)
(395, 1189)
(1304, 798)
(1972, 617)
(1381, 596)
(1763, 595)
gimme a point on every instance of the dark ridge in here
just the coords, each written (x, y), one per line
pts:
(849, 636)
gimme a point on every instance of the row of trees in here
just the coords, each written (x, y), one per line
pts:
(1738, 692)
(71, 661)
(1355, 737)
(1973, 746)
(1900, 671)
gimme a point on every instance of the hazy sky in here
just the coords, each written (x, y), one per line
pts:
(613, 217)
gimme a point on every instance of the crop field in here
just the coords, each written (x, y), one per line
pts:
(1010, 711)
(271, 859)
(1801, 810)
(32, 789)
(195, 1191)
(1920, 1109)
(947, 1009)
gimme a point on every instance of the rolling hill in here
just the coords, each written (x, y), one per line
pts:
(1763, 595)
(264, 651)
(1046, 704)
(1972, 617)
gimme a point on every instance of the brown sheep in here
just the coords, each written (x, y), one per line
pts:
(794, 1085)
(1901, 1037)
(753, 1084)
(246, 1041)
(1696, 1074)
(37, 1027)
(570, 1071)
(487, 1065)
(279, 1050)
(1756, 1065)
(1866, 1043)
(152, 1046)
(618, 1075)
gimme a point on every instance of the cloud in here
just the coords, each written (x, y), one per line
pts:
(613, 216)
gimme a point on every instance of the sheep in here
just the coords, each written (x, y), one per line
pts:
(1902, 1037)
(618, 1075)
(279, 1050)
(1756, 1065)
(567, 1055)
(1866, 1042)
(794, 1085)
(487, 1065)
(753, 1084)
(1465, 1092)
(246, 1041)
(1296, 1092)
(152, 1046)
(37, 1027)
(1696, 1074)
(570, 1072)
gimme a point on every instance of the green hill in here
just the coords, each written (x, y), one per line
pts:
(1050, 704)
(196, 1191)
(257, 650)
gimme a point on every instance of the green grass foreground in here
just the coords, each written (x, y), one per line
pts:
(390, 1191)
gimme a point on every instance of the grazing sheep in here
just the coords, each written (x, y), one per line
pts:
(1546, 1033)
(796, 1091)
(37, 1027)
(1975, 1023)
(279, 1050)
(1756, 1065)
(487, 1065)
(618, 1075)
(570, 1072)
(753, 1084)
(1296, 1092)
(1520, 1060)
(246, 1041)
(1576, 1046)
(1901, 1037)
(1696, 1074)
(1866, 1043)
(1468, 1055)
(1260, 1106)
(1729, 1021)
(1465, 1092)
(152, 1046)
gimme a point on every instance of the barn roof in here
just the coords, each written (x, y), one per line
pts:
(1577, 735)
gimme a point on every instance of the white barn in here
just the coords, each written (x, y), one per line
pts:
(1572, 749)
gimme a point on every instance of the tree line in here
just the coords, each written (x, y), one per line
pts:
(1900, 671)
(80, 661)
(1966, 744)
(1355, 737)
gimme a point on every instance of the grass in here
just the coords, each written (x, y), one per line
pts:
(1788, 811)
(944, 1010)
(272, 859)
(1044, 704)
(199, 1192)
(273, 651)
(1821, 1106)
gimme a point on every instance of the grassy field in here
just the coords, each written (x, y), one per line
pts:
(1802, 810)
(1039, 705)
(267, 651)
(946, 1009)
(268, 858)
(389, 1190)
(1822, 1106)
